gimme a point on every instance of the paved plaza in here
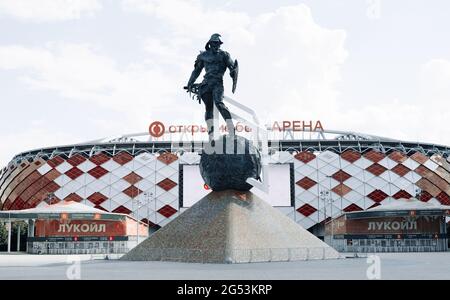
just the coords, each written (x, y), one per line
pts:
(392, 266)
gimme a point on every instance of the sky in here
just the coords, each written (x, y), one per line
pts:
(78, 70)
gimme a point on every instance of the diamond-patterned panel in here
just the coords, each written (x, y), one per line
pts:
(306, 183)
(145, 158)
(400, 170)
(431, 165)
(398, 156)
(305, 156)
(352, 170)
(132, 191)
(167, 211)
(97, 172)
(132, 178)
(411, 163)
(76, 159)
(351, 156)
(122, 210)
(100, 207)
(52, 175)
(363, 163)
(402, 194)
(425, 196)
(376, 169)
(44, 169)
(306, 210)
(426, 185)
(341, 176)
(419, 157)
(341, 189)
(74, 173)
(328, 157)
(64, 167)
(97, 198)
(374, 205)
(167, 158)
(110, 165)
(306, 197)
(305, 170)
(99, 159)
(387, 163)
(122, 158)
(443, 198)
(167, 184)
(55, 161)
(377, 196)
(443, 174)
(441, 161)
(73, 197)
(352, 207)
(374, 156)
(86, 166)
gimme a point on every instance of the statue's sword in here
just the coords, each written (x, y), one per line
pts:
(194, 90)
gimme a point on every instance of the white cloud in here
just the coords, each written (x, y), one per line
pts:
(49, 10)
(80, 72)
(420, 119)
(435, 81)
(290, 69)
(285, 56)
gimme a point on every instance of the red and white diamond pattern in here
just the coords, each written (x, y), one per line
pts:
(118, 183)
(367, 180)
(146, 186)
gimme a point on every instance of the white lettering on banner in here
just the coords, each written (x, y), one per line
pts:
(379, 225)
(295, 125)
(392, 225)
(395, 225)
(74, 228)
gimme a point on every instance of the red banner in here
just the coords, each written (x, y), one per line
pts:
(46, 228)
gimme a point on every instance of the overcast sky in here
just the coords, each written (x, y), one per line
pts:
(73, 71)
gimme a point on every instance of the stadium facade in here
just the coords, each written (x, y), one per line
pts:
(329, 173)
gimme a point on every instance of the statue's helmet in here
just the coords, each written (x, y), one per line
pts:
(214, 38)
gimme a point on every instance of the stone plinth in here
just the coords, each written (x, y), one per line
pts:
(231, 227)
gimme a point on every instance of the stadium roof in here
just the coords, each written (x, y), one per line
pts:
(331, 140)
(74, 210)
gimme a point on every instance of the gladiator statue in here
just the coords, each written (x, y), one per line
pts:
(215, 62)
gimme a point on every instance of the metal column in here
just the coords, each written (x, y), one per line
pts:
(18, 238)
(9, 235)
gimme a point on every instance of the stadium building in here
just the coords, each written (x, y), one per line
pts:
(314, 174)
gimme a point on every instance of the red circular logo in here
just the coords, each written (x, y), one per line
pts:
(156, 129)
(206, 187)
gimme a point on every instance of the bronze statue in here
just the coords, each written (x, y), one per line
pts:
(215, 62)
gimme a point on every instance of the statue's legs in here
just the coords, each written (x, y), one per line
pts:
(213, 95)
(217, 94)
(209, 113)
